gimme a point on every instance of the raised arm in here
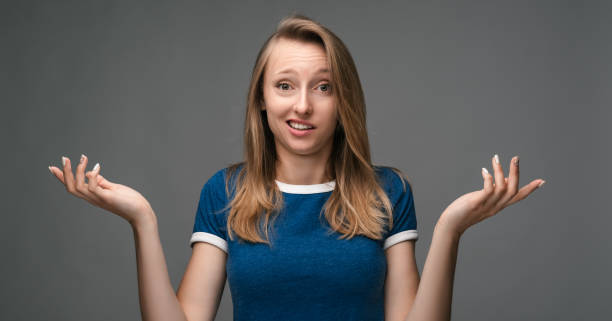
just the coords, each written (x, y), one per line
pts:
(201, 288)
(202, 283)
(434, 295)
(157, 298)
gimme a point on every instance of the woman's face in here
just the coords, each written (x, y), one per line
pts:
(298, 98)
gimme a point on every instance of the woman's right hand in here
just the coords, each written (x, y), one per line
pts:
(115, 198)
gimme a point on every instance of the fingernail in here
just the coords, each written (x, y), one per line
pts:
(63, 161)
(50, 170)
(516, 160)
(496, 159)
(82, 158)
(96, 167)
(541, 183)
(485, 170)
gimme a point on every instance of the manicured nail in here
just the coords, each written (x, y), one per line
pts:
(516, 160)
(82, 158)
(541, 183)
(496, 159)
(485, 170)
(96, 167)
(63, 161)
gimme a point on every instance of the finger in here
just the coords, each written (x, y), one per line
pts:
(95, 191)
(500, 184)
(512, 180)
(92, 179)
(79, 181)
(82, 186)
(498, 172)
(57, 173)
(104, 192)
(525, 191)
(488, 187)
(68, 177)
(103, 182)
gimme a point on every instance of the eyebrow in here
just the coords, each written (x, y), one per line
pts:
(290, 70)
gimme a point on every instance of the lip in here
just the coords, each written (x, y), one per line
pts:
(301, 122)
(297, 132)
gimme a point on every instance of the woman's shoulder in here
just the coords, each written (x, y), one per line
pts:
(227, 172)
(393, 180)
(223, 179)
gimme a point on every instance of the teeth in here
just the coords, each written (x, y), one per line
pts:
(299, 126)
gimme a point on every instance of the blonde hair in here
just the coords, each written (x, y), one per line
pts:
(358, 203)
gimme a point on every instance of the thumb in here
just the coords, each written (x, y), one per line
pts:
(104, 183)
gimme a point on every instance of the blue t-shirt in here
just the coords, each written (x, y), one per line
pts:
(307, 273)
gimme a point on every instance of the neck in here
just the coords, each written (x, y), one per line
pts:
(303, 169)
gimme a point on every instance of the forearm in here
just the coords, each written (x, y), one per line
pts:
(158, 300)
(434, 295)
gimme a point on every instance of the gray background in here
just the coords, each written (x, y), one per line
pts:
(155, 92)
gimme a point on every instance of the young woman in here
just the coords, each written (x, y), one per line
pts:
(306, 227)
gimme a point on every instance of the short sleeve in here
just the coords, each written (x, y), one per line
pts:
(210, 218)
(404, 216)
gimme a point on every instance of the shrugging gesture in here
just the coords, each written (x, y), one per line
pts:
(434, 296)
(115, 198)
(476, 206)
(158, 300)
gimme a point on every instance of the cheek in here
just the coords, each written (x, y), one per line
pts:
(332, 116)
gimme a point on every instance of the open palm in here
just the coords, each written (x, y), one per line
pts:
(476, 206)
(116, 198)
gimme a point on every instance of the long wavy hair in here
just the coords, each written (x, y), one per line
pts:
(358, 204)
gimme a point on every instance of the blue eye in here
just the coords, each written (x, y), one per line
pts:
(326, 86)
(286, 86)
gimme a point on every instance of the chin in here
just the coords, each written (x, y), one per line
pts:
(302, 147)
(304, 150)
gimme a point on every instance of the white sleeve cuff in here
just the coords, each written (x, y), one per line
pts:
(400, 237)
(208, 238)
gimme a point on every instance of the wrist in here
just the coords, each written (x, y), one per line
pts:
(446, 228)
(144, 220)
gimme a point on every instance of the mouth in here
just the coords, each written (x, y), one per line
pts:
(302, 126)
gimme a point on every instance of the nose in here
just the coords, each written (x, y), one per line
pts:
(302, 105)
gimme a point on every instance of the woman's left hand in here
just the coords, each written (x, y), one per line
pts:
(476, 206)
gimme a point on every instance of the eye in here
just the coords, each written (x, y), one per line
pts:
(283, 86)
(325, 87)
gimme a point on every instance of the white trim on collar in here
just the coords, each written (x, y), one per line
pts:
(306, 189)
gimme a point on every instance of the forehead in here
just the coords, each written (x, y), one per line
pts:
(297, 55)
